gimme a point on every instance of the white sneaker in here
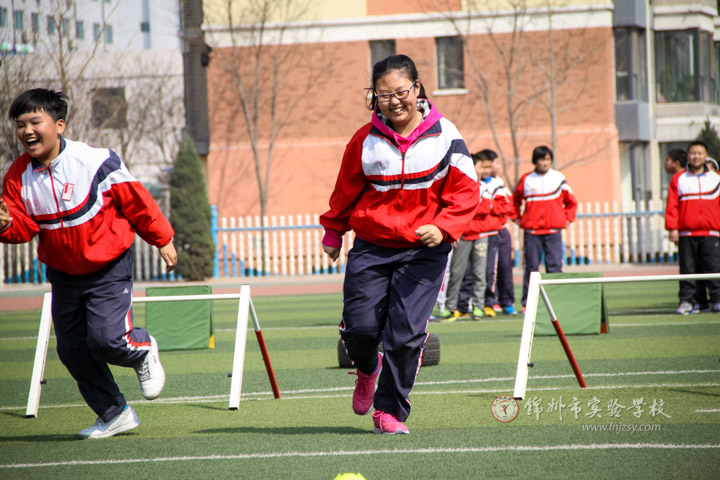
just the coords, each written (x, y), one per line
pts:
(685, 308)
(151, 373)
(127, 420)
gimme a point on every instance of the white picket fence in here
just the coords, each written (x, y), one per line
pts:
(290, 245)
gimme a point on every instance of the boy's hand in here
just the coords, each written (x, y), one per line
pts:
(169, 254)
(430, 235)
(674, 236)
(4, 214)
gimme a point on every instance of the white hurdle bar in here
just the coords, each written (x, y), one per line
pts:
(245, 309)
(531, 304)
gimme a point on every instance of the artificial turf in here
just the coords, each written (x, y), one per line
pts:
(651, 409)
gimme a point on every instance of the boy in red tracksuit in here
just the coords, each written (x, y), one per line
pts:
(85, 207)
(472, 247)
(549, 205)
(499, 288)
(692, 217)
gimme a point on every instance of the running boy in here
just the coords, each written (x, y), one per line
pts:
(85, 207)
(549, 205)
(407, 188)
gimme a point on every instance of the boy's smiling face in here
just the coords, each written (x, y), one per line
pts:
(40, 134)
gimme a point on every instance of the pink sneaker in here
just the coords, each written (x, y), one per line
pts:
(364, 393)
(388, 424)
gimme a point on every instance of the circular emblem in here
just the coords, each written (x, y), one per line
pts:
(504, 408)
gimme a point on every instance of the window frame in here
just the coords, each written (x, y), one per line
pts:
(448, 49)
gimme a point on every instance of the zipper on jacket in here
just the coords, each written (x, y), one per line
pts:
(52, 187)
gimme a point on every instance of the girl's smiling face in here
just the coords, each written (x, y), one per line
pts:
(402, 112)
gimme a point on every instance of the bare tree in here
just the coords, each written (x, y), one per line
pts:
(142, 121)
(270, 75)
(529, 73)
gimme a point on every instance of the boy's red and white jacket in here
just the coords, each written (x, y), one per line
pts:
(549, 202)
(388, 185)
(500, 207)
(85, 206)
(693, 204)
(478, 226)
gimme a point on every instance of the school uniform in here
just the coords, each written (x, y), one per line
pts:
(85, 207)
(387, 187)
(693, 208)
(549, 205)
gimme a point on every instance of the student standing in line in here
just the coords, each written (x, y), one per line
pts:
(692, 217)
(408, 189)
(544, 205)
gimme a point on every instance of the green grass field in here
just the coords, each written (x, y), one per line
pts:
(651, 409)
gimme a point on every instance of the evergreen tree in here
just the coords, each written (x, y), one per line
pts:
(709, 136)
(190, 215)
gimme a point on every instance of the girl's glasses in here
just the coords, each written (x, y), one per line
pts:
(402, 94)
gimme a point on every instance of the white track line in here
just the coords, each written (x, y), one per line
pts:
(334, 327)
(709, 410)
(397, 451)
(344, 392)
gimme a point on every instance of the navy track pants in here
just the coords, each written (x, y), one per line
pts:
(388, 296)
(92, 316)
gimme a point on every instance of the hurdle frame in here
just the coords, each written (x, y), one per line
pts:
(246, 309)
(535, 292)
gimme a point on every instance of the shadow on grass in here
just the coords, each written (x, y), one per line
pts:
(694, 392)
(44, 438)
(285, 430)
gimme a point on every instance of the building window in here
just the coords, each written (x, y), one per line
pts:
(64, 27)
(450, 62)
(108, 34)
(35, 22)
(145, 27)
(96, 31)
(3, 17)
(683, 70)
(716, 64)
(109, 108)
(381, 49)
(80, 30)
(51, 27)
(630, 64)
(19, 20)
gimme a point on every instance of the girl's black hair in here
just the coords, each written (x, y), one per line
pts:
(393, 62)
(54, 103)
(541, 152)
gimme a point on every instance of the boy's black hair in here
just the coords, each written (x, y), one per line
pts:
(697, 142)
(54, 103)
(541, 152)
(394, 62)
(485, 154)
(679, 156)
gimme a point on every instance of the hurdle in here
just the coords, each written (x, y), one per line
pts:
(536, 292)
(246, 310)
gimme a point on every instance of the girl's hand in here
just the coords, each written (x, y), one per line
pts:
(332, 252)
(430, 235)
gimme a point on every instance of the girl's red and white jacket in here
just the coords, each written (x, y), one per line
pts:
(693, 204)
(388, 185)
(549, 202)
(85, 206)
